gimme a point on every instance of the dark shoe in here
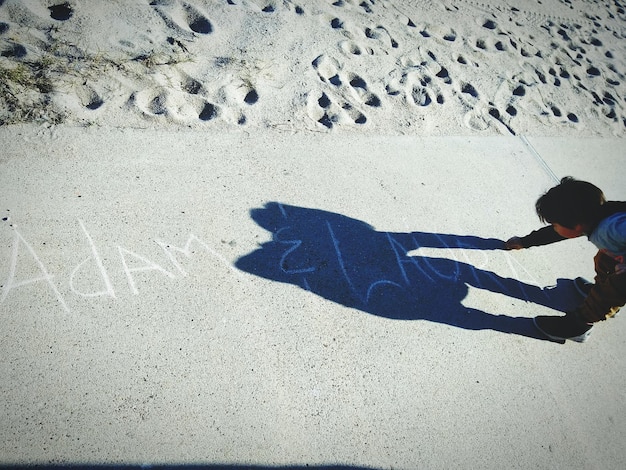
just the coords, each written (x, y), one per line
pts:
(562, 328)
(583, 286)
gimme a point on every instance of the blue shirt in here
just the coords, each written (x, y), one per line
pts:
(610, 236)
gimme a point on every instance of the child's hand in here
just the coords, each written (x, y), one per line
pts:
(513, 243)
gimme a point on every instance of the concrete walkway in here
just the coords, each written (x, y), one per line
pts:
(186, 298)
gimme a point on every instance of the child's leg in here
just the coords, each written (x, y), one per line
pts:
(608, 293)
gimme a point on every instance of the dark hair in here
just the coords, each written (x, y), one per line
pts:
(570, 203)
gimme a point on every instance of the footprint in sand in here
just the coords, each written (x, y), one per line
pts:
(209, 112)
(86, 102)
(329, 113)
(440, 33)
(330, 110)
(361, 88)
(13, 49)
(350, 47)
(192, 86)
(175, 105)
(89, 98)
(240, 92)
(366, 6)
(381, 34)
(269, 6)
(499, 40)
(326, 67)
(61, 11)
(346, 93)
(181, 98)
(417, 88)
(152, 102)
(176, 95)
(421, 75)
(360, 40)
(183, 18)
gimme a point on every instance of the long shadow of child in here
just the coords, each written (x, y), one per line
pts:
(348, 262)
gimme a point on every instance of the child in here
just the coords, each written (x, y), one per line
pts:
(574, 208)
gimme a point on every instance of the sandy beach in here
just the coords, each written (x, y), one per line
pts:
(385, 67)
(246, 234)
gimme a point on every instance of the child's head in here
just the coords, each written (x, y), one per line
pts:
(571, 204)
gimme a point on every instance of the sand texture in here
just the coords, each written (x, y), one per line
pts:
(395, 67)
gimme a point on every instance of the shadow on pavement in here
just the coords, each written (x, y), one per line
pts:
(348, 262)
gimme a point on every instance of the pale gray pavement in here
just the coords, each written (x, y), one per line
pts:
(129, 335)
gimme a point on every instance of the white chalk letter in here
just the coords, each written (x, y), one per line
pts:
(148, 266)
(12, 284)
(95, 256)
(530, 280)
(187, 251)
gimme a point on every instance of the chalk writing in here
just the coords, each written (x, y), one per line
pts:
(188, 252)
(11, 283)
(425, 267)
(394, 275)
(293, 245)
(403, 260)
(95, 256)
(415, 275)
(132, 264)
(374, 284)
(146, 266)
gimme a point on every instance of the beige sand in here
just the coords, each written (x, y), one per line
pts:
(393, 67)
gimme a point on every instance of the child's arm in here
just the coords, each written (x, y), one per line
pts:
(513, 243)
(543, 236)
